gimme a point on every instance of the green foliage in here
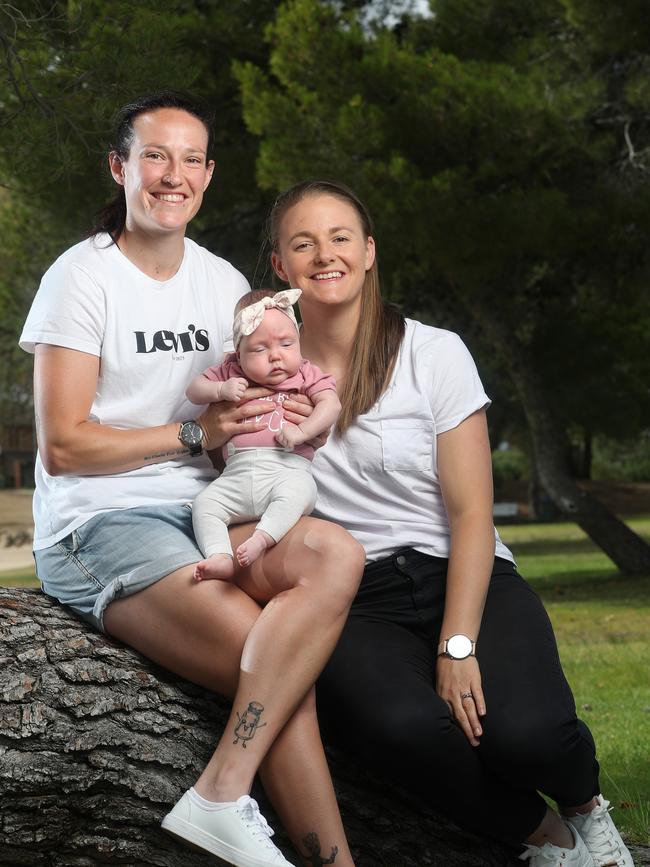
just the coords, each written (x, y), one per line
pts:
(501, 145)
(622, 460)
(68, 68)
(491, 147)
(509, 465)
(496, 30)
(57, 96)
(24, 231)
(612, 28)
(65, 68)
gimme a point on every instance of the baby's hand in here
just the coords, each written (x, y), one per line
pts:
(233, 389)
(290, 436)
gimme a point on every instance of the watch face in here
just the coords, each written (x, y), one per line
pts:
(459, 646)
(192, 433)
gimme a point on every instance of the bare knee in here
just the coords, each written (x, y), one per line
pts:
(333, 560)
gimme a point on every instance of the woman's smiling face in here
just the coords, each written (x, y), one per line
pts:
(323, 250)
(166, 172)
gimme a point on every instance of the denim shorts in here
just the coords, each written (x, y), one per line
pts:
(115, 554)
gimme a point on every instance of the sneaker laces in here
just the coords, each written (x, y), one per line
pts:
(255, 822)
(599, 828)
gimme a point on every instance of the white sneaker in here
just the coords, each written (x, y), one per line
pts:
(549, 855)
(236, 832)
(601, 836)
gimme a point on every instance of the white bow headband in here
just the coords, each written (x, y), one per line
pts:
(250, 318)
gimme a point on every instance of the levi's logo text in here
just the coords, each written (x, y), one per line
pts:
(194, 339)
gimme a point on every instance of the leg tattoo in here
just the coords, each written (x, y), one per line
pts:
(249, 723)
(312, 844)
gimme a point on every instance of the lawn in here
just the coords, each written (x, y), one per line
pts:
(19, 578)
(602, 622)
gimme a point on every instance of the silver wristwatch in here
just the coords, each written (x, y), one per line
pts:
(457, 647)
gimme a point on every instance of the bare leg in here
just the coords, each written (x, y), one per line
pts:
(200, 630)
(309, 580)
(253, 547)
(219, 567)
(295, 770)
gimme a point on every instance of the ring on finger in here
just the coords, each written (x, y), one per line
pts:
(465, 695)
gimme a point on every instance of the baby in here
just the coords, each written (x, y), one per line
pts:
(268, 472)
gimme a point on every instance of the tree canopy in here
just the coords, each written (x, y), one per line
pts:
(502, 146)
(66, 69)
(486, 144)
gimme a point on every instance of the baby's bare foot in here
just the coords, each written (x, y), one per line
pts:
(250, 550)
(219, 567)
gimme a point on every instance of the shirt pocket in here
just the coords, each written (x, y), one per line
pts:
(407, 445)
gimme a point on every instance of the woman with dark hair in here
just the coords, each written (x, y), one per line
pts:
(121, 324)
(446, 676)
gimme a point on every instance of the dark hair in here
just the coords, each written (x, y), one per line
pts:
(380, 329)
(112, 217)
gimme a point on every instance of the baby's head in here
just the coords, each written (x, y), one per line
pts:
(266, 336)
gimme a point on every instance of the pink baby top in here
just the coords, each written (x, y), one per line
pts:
(308, 380)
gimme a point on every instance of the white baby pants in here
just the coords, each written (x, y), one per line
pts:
(266, 483)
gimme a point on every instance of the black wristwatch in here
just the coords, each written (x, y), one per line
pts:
(457, 647)
(191, 435)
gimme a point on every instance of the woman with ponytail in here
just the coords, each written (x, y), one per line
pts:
(447, 677)
(120, 326)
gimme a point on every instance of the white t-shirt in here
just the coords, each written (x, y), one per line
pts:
(152, 337)
(380, 480)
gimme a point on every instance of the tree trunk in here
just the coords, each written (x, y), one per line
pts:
(630, 552)
(587, 454)
(96, 744)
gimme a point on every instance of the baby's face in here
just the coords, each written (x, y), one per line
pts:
(271, 353)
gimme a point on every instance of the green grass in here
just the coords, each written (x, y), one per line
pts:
(19, 578)
(602, 623)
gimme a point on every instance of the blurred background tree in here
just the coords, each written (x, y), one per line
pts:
(502, 145)
(66, 67)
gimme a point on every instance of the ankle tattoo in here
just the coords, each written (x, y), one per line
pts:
(248, 723)
(312, 844)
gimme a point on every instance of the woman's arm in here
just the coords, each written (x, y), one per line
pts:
(65, 382)
(465, 470)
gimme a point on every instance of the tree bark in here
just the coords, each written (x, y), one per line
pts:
(96, 744)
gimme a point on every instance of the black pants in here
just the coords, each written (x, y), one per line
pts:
(377, 699)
